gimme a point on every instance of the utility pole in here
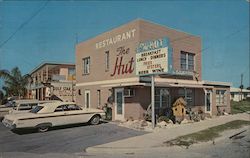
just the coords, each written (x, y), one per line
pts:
(153, 100)
(241, 86)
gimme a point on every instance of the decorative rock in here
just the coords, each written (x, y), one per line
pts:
(144, 123)
(184, 121)
(170, 122)
(162, 124)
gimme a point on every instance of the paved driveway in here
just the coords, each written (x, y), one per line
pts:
(62, 140)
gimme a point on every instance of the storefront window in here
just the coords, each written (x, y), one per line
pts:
(162, 98)
(189, 95)
(187, 61)
(86, 65)
(221, 97)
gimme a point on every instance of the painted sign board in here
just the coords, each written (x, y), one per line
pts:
(154, 57)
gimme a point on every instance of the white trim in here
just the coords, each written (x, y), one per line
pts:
(217, 83)
(126, 80)
(211, 101)
(126, 84)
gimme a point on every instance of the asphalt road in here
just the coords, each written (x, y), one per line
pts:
(63, 140)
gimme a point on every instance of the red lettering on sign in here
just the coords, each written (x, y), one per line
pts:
(121, 68)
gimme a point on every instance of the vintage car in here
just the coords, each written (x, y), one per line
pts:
(26, 105)
(5, 109)
(47, 115)
(20, 106)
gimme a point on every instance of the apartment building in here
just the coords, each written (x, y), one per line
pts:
(52, 80)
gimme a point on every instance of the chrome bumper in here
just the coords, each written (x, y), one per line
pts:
(9, 124)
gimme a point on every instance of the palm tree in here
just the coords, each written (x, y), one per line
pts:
(15, 83)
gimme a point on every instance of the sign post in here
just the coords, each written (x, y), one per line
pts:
(153, 100)
(153, 57)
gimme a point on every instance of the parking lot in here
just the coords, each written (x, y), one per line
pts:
(63, 140)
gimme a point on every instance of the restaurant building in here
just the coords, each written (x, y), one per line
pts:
(111, 70)
(53, 81)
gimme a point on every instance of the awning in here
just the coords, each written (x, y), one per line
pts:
(190, 86)
(126, 84)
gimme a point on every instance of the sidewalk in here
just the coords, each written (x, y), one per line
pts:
(154, 140)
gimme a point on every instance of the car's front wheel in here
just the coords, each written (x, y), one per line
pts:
(95, 120)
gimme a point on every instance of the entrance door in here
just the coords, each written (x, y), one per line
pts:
(87, 98)
(208, 101)
(119, 104)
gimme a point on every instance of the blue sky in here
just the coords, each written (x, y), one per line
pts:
(51, 34)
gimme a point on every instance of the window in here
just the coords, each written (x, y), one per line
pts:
(232, 95)
(189, 95)
(60, 108)
(36, 109)
(221, 97)
(98, 98)
(129, 92)
(187, 61)
(26, 107)
(72, 107)
(162, 98)
(106, 60)
(87, 99)
(86, 65)
(71, 74)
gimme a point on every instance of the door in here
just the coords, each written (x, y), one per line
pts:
(87, 98)
(119, 104)
(208, 101)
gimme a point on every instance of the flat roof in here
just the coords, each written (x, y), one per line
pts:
(234, 89)
(217, 83)
(51, 63)
(134, 21)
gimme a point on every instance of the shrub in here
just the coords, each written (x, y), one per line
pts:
(163, 118)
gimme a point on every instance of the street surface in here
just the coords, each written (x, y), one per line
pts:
(65, 141)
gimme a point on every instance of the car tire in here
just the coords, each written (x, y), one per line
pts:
(95, 120)
(43, 129)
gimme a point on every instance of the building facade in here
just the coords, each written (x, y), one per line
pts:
(238, 95)
(53, 81)
(107, 72)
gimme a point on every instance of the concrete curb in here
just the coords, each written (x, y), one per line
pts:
(126, 150)
(114, 150)
(113, 147)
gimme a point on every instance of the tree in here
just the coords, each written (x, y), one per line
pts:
(15, 84)
(1, 96)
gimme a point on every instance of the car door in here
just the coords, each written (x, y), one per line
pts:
(74, 114)
(59, 116)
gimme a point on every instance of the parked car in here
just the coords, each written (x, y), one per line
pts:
(4, 109)
(47, 115)
(26, 105)
(18, 106)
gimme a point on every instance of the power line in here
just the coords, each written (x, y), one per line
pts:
(226, 37)
(24, 23)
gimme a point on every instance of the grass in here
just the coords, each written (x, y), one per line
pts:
(207, 134)
(239, 107)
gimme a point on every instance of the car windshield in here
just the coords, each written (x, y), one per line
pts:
(36, 109)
